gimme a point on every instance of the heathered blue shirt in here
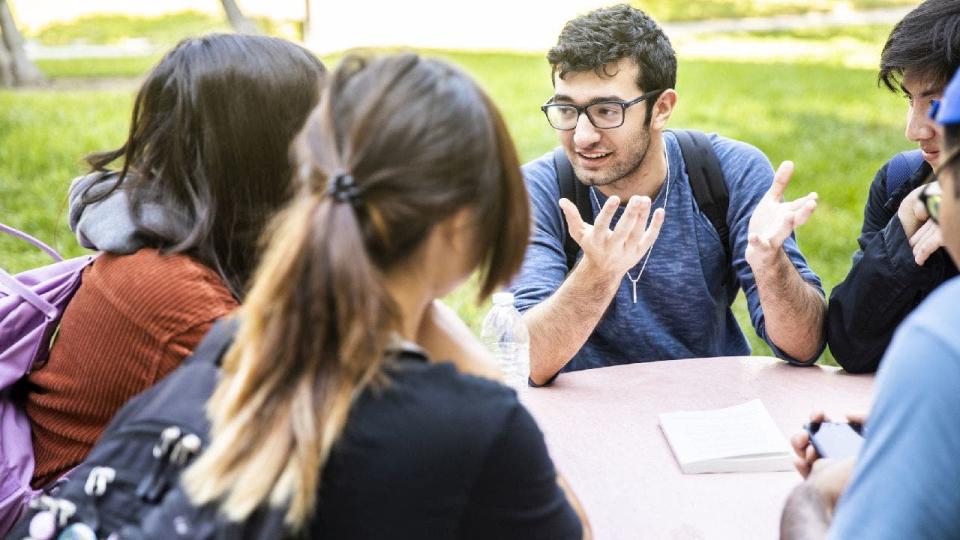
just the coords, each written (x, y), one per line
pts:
(906, 483)
(685, 292)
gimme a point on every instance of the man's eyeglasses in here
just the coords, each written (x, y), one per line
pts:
(602, 114)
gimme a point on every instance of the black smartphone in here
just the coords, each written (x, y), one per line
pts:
(835, 440)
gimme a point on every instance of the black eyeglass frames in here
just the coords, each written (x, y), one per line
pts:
(602, 114)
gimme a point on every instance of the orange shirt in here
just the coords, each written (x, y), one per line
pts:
(132, 321)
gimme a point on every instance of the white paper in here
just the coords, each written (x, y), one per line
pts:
(739, 438)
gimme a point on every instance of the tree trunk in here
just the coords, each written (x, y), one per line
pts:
(24, 71)
(240, 22)
(307, 20)
(6, 67)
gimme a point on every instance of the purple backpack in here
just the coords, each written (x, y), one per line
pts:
(31, 304)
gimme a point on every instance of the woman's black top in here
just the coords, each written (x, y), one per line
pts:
(433, 454)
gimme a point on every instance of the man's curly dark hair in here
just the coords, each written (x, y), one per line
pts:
(603, 36)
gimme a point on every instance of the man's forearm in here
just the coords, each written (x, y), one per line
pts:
(793, 310)
(805, 515)
(561, 324)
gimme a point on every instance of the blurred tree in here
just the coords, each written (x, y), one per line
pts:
(307, 27)
(15, 68)
(240, 22)
(6, 67)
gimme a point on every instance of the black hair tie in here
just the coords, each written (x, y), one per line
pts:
(344, 189)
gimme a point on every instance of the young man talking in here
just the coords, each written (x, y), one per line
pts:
(654, 273)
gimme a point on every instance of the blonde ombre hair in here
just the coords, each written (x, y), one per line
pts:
(420, 141)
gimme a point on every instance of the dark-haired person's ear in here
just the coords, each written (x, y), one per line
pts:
(662, 109)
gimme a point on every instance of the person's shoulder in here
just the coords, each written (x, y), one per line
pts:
(945, 299)
(938, 313)
(745, 168)
(901, 173)
(925, 351)
(442, 388)
(541, 166)
(735, 153)
(541, 176)
(911, 159)
(150, 262)
(455, 381)
(151, 273)
(905, 166)
(921, 367)
(747, 172)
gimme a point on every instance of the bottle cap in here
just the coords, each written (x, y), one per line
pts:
(503, 298)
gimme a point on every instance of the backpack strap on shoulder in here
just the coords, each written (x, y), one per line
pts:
(573, 190)
(706, 180)
(215, 343)
(901, 169)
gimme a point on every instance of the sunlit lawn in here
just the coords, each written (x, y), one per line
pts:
(675, 10)
(831, 120)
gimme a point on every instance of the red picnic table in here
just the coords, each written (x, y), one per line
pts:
(603, 433)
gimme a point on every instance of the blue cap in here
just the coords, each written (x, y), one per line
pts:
(947, 110)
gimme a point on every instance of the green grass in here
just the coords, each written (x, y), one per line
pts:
(674, 10)
(43, 138)
(833, 122)
(870, 34)
(854, 47)
(97, 68)
(164, 30)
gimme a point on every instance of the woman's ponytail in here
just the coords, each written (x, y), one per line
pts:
(312, 334)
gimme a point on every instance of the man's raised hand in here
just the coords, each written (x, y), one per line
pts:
(773, 220)
(621, 248)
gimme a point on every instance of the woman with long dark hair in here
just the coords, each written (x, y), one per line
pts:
(327, 412)
(204, 167)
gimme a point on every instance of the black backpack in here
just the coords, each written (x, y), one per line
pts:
(706, 181)
(139, 457)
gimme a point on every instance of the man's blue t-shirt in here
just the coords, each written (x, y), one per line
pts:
(685, 292)
(906, 483)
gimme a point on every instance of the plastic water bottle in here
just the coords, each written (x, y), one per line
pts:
(506, 335)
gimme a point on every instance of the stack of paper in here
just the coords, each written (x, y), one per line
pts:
(742, 438)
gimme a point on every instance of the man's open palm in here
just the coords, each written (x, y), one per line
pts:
(621, 248)
(773, 220)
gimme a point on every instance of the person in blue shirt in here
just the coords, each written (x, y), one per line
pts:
(906, 479)
(654, 281)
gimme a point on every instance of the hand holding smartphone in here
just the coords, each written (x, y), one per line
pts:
(835, 440)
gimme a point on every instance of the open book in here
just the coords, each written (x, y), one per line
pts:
(742, 438)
